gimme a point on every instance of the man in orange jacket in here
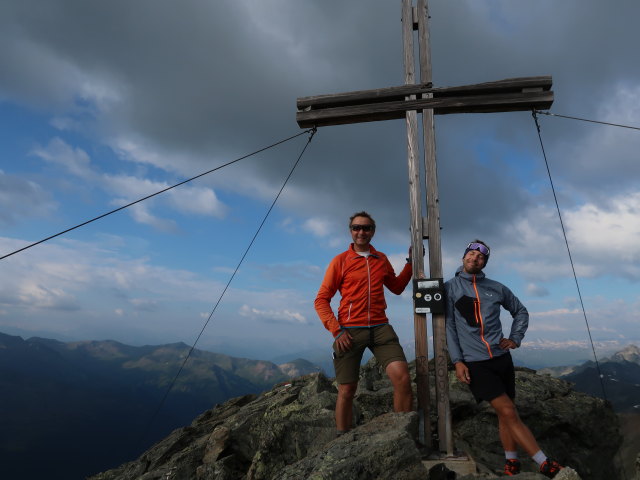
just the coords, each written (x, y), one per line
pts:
(360, 274)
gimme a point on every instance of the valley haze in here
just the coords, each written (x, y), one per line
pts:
(81, 396)
(103, 103)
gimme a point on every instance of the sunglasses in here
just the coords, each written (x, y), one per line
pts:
(480, 247)
(364, 228)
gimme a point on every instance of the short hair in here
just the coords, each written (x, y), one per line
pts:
(362, 214)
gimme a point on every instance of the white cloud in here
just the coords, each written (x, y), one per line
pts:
(297, 273)
(318, 226)
(141, 214)
(94, 290)
(602, 346)
(37, 282)
(273, 316)
(99, 90)
(536, 290)
(608, 232)
(40, 297)
(75, 160)
(145, 304)
(65, 123)
(544, 268)
(622, 109)
(548, 327)
(398, 261)
(602, 238)
(89, 289)
(142, 152)
(127, 188)
(328, 231)
(555, 313)
(287, 224)
(557, 321)
(131, 188)
(198, 200)
(184, 199)
(20, 199)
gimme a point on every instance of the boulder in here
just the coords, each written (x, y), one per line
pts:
(289, 433)
(569, 426)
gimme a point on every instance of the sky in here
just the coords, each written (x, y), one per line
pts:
(103, 103)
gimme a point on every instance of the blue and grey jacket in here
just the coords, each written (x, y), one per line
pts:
(473, 317)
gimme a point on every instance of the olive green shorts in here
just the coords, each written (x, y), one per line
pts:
(381, 340)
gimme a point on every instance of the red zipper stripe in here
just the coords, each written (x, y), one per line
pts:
(479, 319)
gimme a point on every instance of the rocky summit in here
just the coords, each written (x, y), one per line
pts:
(288, 433)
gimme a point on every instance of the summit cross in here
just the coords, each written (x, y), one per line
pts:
(406, 101)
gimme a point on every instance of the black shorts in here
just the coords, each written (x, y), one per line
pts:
(492, 378)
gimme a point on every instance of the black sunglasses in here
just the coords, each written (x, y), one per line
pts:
(364, 228)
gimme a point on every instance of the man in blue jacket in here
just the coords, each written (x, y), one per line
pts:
(480, 352)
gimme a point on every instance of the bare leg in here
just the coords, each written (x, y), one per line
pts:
(507, 440)
(344, 406)
(512, 430)
(398, 373)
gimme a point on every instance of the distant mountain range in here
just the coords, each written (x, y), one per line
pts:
(66, 405)
(620, 381)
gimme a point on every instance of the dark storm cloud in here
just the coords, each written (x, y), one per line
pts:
(212, 80)
(586, 46)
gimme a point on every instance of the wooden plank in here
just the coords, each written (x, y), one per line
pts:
(445, 432)
(508, 102)
(362, 96)
(398, 93)
(415, 210)
(506, 85)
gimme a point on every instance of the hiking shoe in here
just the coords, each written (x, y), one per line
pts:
(512, 467)
(550, 468)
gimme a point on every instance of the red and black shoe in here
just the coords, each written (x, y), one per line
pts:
(512, 467)
(550, 468)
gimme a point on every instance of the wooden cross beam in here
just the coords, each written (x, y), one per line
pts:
(512, 94)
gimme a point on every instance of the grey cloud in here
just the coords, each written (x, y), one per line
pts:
(298, 272)
(215, 80)
(144, 304)
(39, 297)
(21, 198)
(537, 290)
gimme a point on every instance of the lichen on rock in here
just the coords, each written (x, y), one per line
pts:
(288, 433)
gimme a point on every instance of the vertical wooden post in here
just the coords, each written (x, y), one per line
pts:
(445, 435)
(419, 320)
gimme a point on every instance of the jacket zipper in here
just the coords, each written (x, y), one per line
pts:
(479, 319)
(368, 292)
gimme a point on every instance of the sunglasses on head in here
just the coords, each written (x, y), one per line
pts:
(480, 247)
(364, 228)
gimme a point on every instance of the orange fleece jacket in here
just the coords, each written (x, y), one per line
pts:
(360, 281)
